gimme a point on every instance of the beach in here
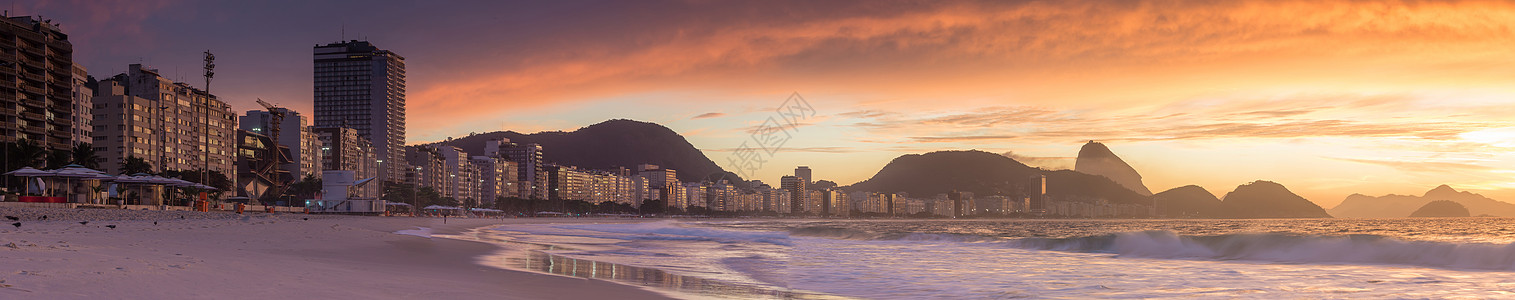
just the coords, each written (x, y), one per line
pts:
(180, 255)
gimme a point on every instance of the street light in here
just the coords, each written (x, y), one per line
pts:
(415, 202)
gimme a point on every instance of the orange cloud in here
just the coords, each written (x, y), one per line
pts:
(740, 50)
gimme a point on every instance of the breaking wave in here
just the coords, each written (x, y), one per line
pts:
(670, 230)
(1264, 247)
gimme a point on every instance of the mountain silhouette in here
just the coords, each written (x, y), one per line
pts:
(1441, 209)
(1190, 201)
(1097, 159)
(984, 174)
(611, 144)
(1397, 206)
(1266, 199)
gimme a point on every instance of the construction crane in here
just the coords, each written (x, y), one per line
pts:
(267, 168)
(275, 118)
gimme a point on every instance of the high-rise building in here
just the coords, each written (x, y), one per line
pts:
(567, 183)
(796, 187)
(1036, 196)
(661, 181)
(343, 149)
(83, 115)
(529, 167)
(362, 87)
(427, 167)
(168, 124)
(456, 183)
(499, 178)
(304, 148)
(804, 172)
(36, 67)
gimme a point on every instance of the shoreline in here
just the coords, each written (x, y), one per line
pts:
(229, 256)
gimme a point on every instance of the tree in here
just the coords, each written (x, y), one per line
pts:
(84, 155)
(58, 158)
(24, 153)
(653, 207)
(309, 186)
(134, 165)
(218, 180)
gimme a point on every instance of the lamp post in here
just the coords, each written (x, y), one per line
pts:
(415, 203)
(210, 67)
(381, 182)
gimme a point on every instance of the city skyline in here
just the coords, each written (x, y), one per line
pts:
(1332, 99)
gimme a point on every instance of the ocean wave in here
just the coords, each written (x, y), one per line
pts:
(864, 235)
(674, 231)
(1287, 248)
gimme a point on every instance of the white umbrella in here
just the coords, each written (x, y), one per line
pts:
(73, 172)
(159, 180)
(30, 172)
(79, 169)
(181, 183)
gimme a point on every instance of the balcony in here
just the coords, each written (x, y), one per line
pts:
(32, 49)
(33, 116)
(34, 76)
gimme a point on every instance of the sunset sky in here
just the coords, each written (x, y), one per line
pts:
(1327, 98)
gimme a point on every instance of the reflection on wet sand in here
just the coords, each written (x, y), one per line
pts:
(533, 259)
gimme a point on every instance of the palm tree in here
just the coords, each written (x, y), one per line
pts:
(58, 158)
(134, 165)
(84, 155)
(24, 153)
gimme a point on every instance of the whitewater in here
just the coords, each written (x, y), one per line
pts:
(975, 259)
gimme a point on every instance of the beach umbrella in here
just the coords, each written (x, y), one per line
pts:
(79, 169)
(75, 172)
(181, 183)
(126, 180)
(30, 172)
(159, 180)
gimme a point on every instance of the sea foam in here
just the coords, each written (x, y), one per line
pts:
(1289, 248)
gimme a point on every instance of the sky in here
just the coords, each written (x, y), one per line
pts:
(1329, 98)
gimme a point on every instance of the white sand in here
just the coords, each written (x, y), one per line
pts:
(227, 256)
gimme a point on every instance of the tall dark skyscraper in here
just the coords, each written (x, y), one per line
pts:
(36, 68)
(362, 87)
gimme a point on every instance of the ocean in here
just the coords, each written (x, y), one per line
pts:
(996, 259)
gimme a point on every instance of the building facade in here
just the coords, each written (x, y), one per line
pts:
(169, 124)
(344, 149)
(36, 83)
(83, 104)
(798, 197)
(427, 167)
(362, 87)
(804, 172)
(498, 178)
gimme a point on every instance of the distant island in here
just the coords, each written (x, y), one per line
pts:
(1441, 209)
(1399, 206)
